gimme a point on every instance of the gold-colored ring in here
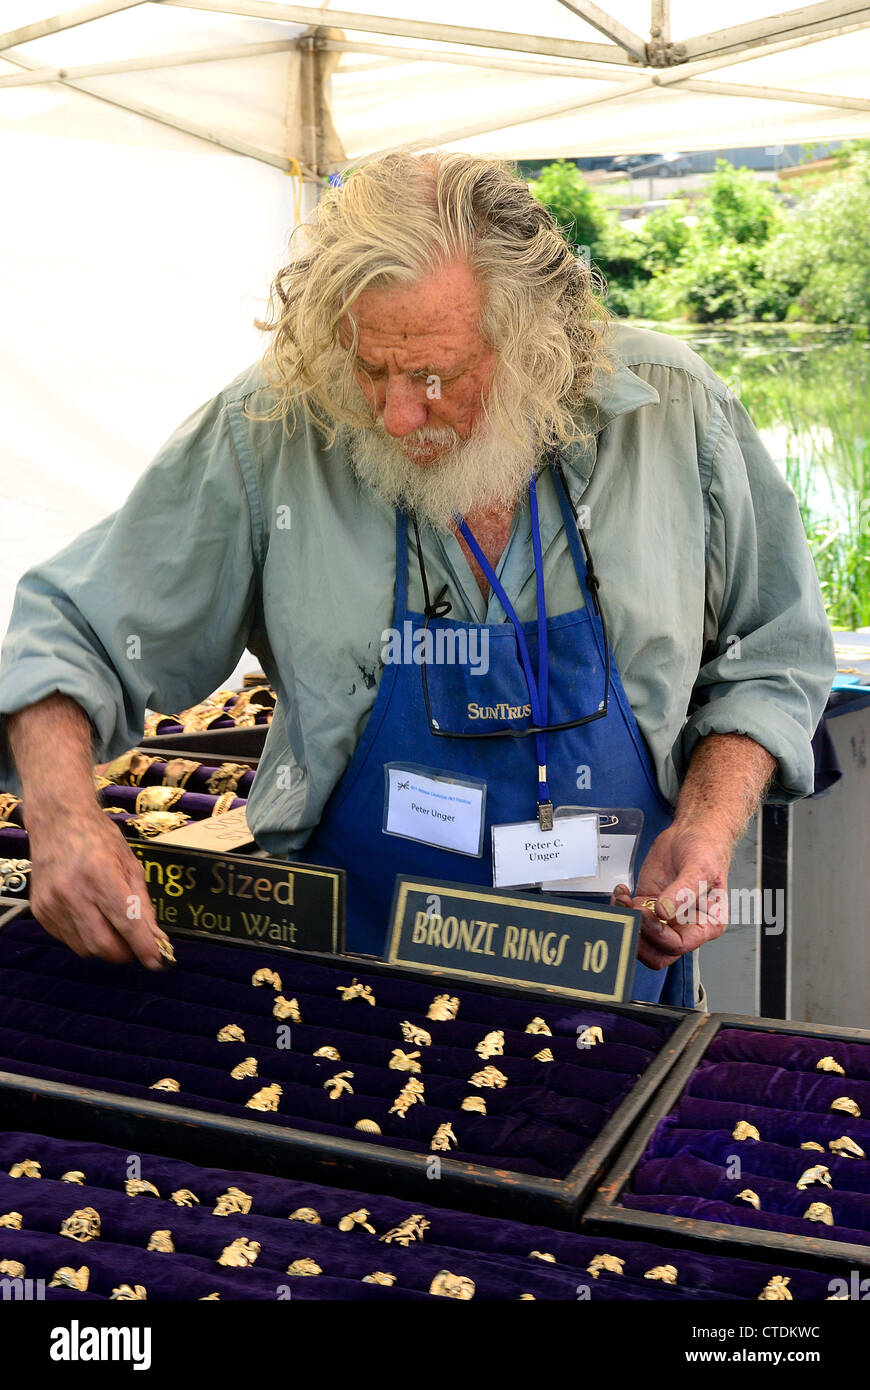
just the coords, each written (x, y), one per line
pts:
(179, 771)
(157, 798)
(648, 905)
(8, 803)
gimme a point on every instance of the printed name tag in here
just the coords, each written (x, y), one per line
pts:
(524, 853)
(435, 810)
(614, 866)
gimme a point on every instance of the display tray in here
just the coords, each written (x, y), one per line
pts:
(223, 743)
(155, 794)
(207, 756)
(534, 1153)
(683, 1173)
(83, 1221)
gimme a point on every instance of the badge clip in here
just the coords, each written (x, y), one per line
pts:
(545, 815)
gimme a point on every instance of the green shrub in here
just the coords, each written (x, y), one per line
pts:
(577, 209)
(823, 252)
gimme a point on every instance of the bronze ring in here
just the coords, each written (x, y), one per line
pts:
(648, 905)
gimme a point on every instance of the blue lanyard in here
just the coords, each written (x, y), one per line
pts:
(538, 688)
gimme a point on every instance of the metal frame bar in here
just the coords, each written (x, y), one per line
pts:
(672, 77)
(212, 137)
(515, 118)
(313, 105)
(822, 20)
(409, 29)
(70, 20)
(660, 20)
(775, 952)
(471, 60)
(802, 25)
(606, 24)
(739, 89)
(659, 49)
(166, 60)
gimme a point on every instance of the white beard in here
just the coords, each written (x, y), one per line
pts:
(483, 471)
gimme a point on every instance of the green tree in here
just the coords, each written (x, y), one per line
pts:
(564, 191)
(665, 235)
(737, 207)
(593, 229)
(823, 252)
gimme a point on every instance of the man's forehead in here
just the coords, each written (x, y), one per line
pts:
(438, 315)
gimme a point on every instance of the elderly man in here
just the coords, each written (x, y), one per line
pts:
(446, 434)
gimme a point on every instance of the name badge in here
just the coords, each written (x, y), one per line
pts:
(425, 805)
(618, 838)
(524, 853)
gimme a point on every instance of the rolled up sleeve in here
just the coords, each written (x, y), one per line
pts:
(151, 607)
(768, 661)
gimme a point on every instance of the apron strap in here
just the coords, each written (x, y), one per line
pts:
(440, 607)
(580, 552)
(400, 607)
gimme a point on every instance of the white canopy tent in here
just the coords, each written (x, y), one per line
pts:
(145, 148)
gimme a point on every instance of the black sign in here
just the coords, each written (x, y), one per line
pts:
(515, 938)
(238, 898)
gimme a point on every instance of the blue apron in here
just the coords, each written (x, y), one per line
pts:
(620, 771)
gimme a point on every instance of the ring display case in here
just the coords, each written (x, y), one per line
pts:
(344, 1067)
(82, 1220)
(758, 1139)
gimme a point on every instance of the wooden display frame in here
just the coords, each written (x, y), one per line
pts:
(605, 1213)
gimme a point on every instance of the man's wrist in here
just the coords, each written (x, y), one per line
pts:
(727, 777)
(46, 817)
(709, 831)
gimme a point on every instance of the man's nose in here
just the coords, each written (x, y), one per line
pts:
(404, 406)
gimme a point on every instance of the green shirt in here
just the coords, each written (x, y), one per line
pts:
(254, 534)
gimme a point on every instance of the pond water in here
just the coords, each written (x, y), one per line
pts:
(807, 390)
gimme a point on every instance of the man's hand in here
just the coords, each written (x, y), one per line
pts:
(88, 890)
(686, 872)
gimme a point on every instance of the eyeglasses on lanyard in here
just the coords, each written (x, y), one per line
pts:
(441, 607)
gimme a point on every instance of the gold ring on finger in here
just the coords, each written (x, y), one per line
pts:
(649, 905)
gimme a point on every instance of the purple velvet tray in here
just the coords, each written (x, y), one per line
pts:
(544, 1137)
(98, 1218)
(722, 1151)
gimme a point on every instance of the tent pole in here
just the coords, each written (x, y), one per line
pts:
(471, 60)
(673, 76)
(212, 137)
(826, 19)
(165, 60)
(516, 118)
(70, 20)
(314, 105)
(740, 89)
(607, 25)
(409, 29)
(659, 46)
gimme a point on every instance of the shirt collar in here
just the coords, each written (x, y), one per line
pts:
(612, 394)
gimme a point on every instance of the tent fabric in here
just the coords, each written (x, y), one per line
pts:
(136, 254)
